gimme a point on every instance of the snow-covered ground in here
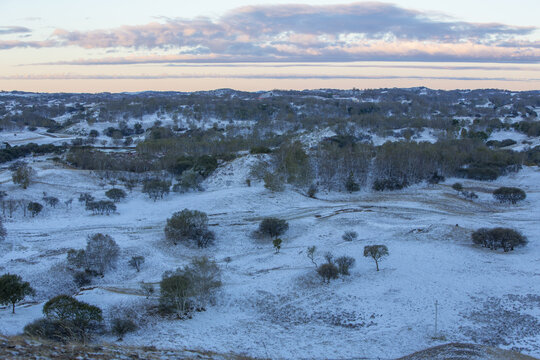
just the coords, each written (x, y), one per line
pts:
(523, 142)
(40, 137)
(274, 305)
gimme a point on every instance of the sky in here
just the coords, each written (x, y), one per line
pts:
(120, 45)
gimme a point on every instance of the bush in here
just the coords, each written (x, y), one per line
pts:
(436, 178)
(312, 190)
(389, 184)
(156, 188)
(148, 289)
(509, 195)
(469, 195)
(77, 318)
(496, 238)
(273, 227)
(51, 201)
(13, 289)
(458, 187)
(349, 236)
(115, 194)
(376, 252)
(54, 330)
(189, 226)
(34, 208)
(82, 278)
(344, 263)
(328, 271)
(121, 327)
(86, 198)
(277, 244)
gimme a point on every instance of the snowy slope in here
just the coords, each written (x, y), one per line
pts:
(273, 305)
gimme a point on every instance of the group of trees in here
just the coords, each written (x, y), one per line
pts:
(344, 163)
(332, 267)
(499, 237)
(101, 254)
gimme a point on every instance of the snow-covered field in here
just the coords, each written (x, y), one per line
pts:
(274, 305)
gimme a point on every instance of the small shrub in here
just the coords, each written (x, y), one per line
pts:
(509, 195)
(436, 178)
(51, 201)
(54, 330)
(136, 262)
(120, 327)
(34, 208)
(344, 263)
(312, 191)
(85, 198)
(148, 289)
(277, 244)
(458, 187)
(469, 195)
(350, 236)
(389, 184)
(82, 278)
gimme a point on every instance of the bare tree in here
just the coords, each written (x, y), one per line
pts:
(376, 252)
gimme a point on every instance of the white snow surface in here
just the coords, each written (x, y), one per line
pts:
(274, 305)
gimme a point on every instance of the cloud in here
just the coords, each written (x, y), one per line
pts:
(347, 32)
(5, 30)
(254, 77)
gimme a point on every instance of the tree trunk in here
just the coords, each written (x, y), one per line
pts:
(377, 264)
(13, 308)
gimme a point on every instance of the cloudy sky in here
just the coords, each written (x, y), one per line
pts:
(121, 45)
